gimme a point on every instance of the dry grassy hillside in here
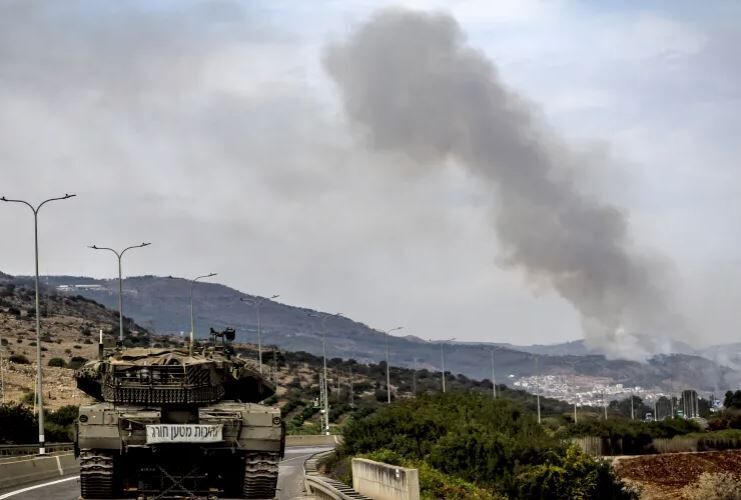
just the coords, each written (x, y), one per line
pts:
(70, 327)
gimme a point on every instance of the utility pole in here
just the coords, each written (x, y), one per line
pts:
(414, 378)
(2, 371)
(604, 403)
(493, 378)
(656, 410)
(632, 415)
(257, 303)
(442, 359)
(119, 256)
(573, 381)
(387, 334)
(323, 389)
(576, 421)
(39, 374)
(537, 386)
(323, 403)
(352, 390)
(192, 322)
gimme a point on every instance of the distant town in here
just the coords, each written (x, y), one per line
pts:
(589, 391)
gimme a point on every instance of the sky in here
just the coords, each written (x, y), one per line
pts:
(213, 130)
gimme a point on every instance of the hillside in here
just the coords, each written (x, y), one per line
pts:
(70, 327)
(69, 336)
(161, 304)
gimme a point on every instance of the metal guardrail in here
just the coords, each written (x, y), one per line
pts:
(10, 450)
(325, 488)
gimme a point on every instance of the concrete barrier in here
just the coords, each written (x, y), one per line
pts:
(384, 482)
(306, 440)
(29, 469)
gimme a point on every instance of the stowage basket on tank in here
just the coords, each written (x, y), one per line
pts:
(174, 424)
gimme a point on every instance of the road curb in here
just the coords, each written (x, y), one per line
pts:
(26, 470)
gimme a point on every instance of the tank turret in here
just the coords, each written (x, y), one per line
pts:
(169, 376)
(167, 412)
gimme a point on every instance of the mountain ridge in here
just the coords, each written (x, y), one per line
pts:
(161, 304)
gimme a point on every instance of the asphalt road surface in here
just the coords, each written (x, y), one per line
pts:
(290, 481)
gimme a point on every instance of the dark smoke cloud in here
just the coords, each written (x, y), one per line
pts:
(414, 87)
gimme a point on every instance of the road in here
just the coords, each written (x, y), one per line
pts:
(290, 481)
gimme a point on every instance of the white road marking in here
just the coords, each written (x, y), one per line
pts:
(51, 483)
(59, 466)
(30, 488)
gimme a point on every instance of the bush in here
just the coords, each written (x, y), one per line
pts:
(66, 415)
(19, 359)
(29, 398)
(17, 424)
(574, 476)
(491, 444)
(58, 362)
(714, 486)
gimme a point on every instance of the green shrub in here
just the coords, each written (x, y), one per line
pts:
(17, 424)
(575, 476)
(19, 359)
(58, 362)
(496, 445)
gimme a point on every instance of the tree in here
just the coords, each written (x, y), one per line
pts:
(58, 362)
(732, 399)
(17, 424)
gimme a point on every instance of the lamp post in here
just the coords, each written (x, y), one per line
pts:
(387, 334)
(119, 256)
(323, 319)
(414, 378)
(2, 372)
(537, 386)
(256, 303)
(192, 322)
(442, 358)
(493, 377)
(39, 395)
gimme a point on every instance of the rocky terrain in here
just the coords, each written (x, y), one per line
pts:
(70, 329)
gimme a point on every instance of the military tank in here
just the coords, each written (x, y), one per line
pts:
(177, 423)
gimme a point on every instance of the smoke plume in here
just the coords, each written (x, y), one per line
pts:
(414, 87)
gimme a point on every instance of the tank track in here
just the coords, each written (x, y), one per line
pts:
(260, 475)
(96, 474)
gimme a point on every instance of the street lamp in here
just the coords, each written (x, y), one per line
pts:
(39, 395)
(323, 318)
(493, 377)
(388, 373)
(256, 303)
(120, 255)
(192, 323)
(442, 358)
(2, 373)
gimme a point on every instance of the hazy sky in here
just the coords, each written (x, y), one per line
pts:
(212, 130)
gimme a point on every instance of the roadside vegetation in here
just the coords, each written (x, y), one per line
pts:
(18, 424)
(471, 446)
